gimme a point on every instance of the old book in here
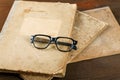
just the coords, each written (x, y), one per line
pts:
(28, 18)
(85, 30)
(106, 44)
(89, 29)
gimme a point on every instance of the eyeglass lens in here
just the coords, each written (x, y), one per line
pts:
(64, 44)
(41, 41)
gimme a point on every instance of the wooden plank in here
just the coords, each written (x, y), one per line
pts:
(108, 43)
(6, 2)
(7, 76)
(3, 14)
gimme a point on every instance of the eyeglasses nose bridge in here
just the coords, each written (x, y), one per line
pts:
(53, 40)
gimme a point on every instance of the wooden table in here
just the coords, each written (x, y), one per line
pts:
(106, 68)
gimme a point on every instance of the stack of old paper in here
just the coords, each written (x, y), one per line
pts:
(55, 19)
(94, 50)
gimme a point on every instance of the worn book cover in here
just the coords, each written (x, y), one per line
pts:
(108, 42)
(29, 18)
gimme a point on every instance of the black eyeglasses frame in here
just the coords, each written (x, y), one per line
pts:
(54, 40)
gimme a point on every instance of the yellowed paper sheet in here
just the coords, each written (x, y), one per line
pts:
(108, 43)
(88, 29)
(15, 46)
(36, 77)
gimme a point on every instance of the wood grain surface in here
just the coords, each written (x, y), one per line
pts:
(106, 68)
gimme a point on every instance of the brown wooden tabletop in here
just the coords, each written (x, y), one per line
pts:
(105, 68)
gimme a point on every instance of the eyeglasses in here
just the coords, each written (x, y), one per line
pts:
(64, 44)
